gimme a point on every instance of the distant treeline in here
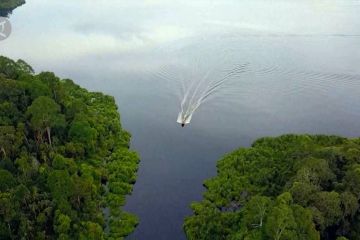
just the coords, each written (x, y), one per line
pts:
(65, 166)
(7, 6)
(297, 187)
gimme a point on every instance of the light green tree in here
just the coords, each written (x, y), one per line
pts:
(281, 223)
(45, 114)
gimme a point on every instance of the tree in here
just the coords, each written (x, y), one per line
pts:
(328, 203)
(57, 178)
(256, 210)
(7, 180)
(7, 66)
(302, 192)
(45, 114)
(9, 113)
(349, 204)
(305, 229)
(314, 179)
(62, 224)
(352, 179)
(24, 67)
(91, 231)
(7, 6)
(8, 141)
(26, 167)
(81, 132)
(281, 223)
(53, 83)
(315, 171)
(61, 187)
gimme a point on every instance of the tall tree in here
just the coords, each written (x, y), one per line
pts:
(45, 114)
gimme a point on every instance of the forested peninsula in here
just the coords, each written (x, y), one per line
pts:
(299, 187)
(65, 163)
(7, 6)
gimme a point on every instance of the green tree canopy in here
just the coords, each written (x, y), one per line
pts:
(64, 159)
(290, 187)
(45, 114)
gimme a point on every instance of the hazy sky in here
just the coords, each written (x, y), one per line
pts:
(51, 32)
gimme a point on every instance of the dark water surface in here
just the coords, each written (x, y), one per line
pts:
(304, 77)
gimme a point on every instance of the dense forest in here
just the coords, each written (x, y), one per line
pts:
(291, 187)
(7, 6)
(65, 163)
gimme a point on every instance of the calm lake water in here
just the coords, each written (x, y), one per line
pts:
(304, 77)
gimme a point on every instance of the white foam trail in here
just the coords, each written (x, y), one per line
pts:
(196, 94)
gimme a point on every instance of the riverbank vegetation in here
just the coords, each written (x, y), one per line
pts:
(289, 187)
(7, 6)
(65, 163)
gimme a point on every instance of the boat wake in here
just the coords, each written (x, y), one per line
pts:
(201, 81)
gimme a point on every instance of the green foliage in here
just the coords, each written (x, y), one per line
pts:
(65, 166)
(6, 6)
(6, 180)
(82, 133)
(328, 203)
(281, 223)
(289, 187)
(62, 223)
(44, 114)
(11, 3)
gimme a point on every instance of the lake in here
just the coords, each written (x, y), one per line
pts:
(303, 77)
